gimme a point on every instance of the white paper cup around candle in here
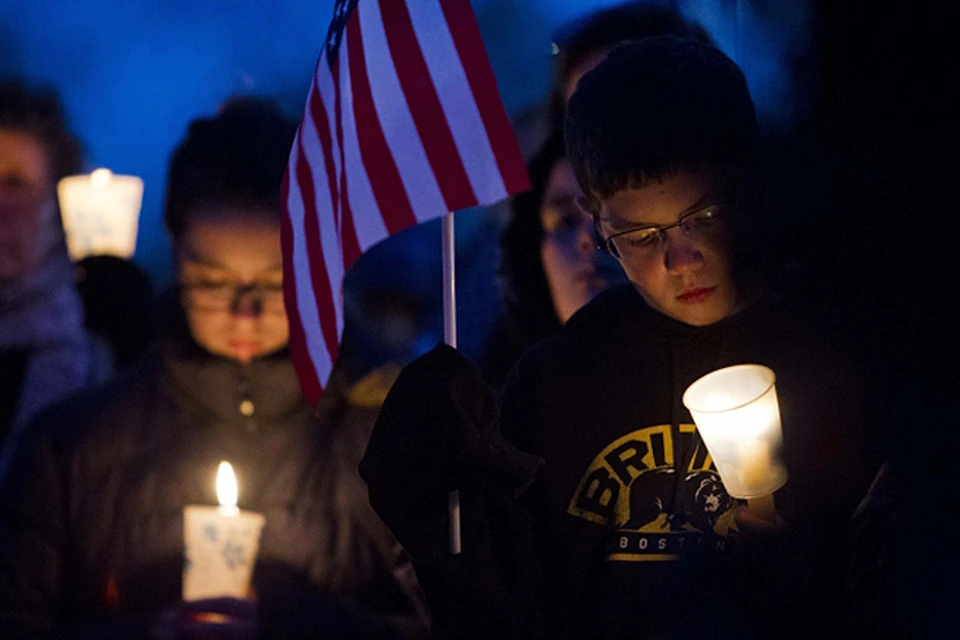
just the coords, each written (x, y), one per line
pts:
(755, 463)
(738, 417)
(220, 544)
(100, 213)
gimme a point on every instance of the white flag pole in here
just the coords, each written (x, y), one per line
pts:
(450, 337)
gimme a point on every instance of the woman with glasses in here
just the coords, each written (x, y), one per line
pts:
(550, 264)
(91, 513)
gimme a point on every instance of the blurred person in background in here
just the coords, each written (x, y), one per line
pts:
(91, 513)
(549, 262)
(580, 44)
(45, 352)
(583, 43)
(118, 307)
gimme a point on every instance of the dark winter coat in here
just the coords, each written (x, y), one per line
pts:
(91, 508)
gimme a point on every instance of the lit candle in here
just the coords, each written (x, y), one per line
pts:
(220, 544)
(738, 417)
(227, 489)
(100, 213)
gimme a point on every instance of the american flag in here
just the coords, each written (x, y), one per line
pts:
(402, 124)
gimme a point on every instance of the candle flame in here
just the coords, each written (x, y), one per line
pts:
(226, 485)
(100, 178)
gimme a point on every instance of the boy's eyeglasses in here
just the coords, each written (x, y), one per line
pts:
(226, 296)
(644, 240)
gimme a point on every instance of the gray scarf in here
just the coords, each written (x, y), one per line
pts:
(42, 314)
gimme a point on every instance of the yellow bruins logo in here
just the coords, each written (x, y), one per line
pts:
(632, 487)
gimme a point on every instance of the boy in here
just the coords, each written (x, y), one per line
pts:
(633, 531)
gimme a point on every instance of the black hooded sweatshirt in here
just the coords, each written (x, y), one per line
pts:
(638, 535)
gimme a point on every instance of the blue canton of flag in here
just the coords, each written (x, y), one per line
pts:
(335, 33)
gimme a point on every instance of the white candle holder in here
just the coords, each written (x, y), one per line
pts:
(100, 213)
(220, 544)
(738, 416)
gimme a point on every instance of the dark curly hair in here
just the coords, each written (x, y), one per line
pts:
(236, 158)
(39, 114)
(522, 277)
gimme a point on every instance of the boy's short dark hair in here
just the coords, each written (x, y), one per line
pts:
(603, 30)
(236, 158)
(38, 114)
(654, 107)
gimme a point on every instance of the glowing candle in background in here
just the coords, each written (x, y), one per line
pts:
(100, 213)
(738, 417)
(220, 543)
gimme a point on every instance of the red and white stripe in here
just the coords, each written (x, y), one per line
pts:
(404, 126)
